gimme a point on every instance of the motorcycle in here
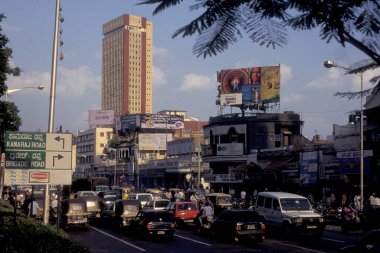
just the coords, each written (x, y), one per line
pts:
(351, 219)
(205, 226)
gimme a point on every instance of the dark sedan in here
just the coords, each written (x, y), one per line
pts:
(239, 224)
(369, 242)
(153, 223)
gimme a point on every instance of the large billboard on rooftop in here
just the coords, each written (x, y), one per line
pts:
(247, 86)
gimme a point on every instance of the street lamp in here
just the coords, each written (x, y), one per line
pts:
(40, 87)
(332, 64)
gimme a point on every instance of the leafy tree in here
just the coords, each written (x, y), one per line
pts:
(355, 22)
(9, 119)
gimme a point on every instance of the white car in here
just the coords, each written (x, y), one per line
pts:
(290, 212)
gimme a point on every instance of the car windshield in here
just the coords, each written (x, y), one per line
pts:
(187, 206)
(144, 197)
(161, 203)
(223, 200)
(294, 204)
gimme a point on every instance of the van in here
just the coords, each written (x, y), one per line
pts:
(143, 197)
(289, 212)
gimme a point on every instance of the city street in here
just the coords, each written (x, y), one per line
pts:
(100, 239)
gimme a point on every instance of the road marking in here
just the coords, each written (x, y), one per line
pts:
(122, 241)
(299, 247)
(193, 240)
(327, 239)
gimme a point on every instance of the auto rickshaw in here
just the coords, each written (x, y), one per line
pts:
(125, 191)
(74, 213)
(125, 210)
(220, 201)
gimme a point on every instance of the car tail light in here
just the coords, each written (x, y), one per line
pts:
(262, 226)
(238, 227)
(149, 226)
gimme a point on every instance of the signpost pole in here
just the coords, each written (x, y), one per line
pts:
(52, 100)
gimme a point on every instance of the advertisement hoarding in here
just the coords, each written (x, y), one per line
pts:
(100, 117)
(257, 85)
(162, 121)
(154, 141)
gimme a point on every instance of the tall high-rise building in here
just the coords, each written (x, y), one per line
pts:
(127, 65)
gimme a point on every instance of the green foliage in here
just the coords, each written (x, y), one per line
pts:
(9, 119)
(265, 22)
(31, 236)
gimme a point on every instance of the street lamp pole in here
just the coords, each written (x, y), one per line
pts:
(40, 87)
(331, 64)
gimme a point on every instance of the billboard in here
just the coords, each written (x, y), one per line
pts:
(162, 121)
(257, 85)
(153, 142)
(100, 117)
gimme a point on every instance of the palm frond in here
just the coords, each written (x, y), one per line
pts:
(163, 4)
(265, 31)
(354, 94)
(217, 37)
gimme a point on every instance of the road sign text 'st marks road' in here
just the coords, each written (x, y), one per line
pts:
(58, 138)
(58, 156)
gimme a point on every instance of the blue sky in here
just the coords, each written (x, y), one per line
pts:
(180, 80)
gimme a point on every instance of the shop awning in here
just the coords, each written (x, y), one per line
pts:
(272, 165)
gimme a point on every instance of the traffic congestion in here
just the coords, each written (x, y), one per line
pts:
(161, 216)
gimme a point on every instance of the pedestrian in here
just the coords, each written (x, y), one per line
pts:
(357, 199)
(33, 208)
(242, 195)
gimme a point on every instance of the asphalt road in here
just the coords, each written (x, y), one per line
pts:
(101, 239)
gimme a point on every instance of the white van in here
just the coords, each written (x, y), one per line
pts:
(290, 212)
(143, 197)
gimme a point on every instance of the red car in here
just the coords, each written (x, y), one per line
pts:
(183, 212)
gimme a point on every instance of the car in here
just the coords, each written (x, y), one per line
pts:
(125, 211)
(153, 224)
(291, 213)
(239, 224)
(143, 197)
(183, 212)
(369, 242)
(158, 204)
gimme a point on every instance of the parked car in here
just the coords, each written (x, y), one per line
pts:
(239, 224)
(152, 224)
(125, 211)
(183, 212)
(143, 197)
(74, 213)
(369, 242)
(289, 212)
(158, 204)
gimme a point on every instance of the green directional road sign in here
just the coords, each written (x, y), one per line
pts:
(47, 157)
(25, 159)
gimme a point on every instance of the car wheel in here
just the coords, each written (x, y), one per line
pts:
(288, 231)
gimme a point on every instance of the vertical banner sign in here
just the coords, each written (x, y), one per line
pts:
(309, 167)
